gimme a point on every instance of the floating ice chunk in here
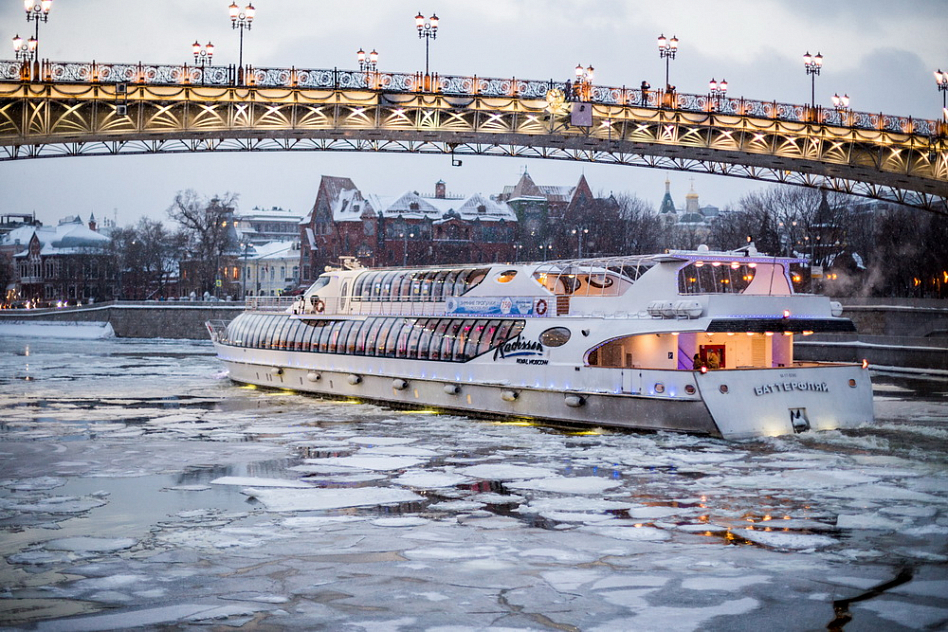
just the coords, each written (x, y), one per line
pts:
(576, 485)
(883, 493)
(33, 484)
(669, 619)
(782, 540)
(911, 615)
(655, 513)
(280, 500)
(59, 505)
(573, 516)
(624, 581)
(93, 545)
(400, 450)
(730, 584)
(703, 527)
(492, 498)
(910, 511)
(409, 521)
(640, 534)
(456, 505)
(926, 530)
(380, 440)
(503, 472)
(187, 488)
(569, 580)
(491, 522)
(429, 480)
(37, 557)
(574, 504)
(249, 481)
(451, 553)
(923, 588)
(315, 523)
(374, 463)
(863, 521)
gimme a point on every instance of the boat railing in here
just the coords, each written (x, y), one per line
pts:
(270, 303)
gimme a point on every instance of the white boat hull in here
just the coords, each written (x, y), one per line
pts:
(752, 402)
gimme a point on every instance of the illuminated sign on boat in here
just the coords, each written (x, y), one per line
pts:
(506, 305)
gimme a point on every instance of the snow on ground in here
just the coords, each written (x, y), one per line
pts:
(56, 329)
(136, 483)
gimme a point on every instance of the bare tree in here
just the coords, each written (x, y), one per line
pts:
(643, 231)
(208, 228)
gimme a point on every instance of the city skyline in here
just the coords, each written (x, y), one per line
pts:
(882, 59)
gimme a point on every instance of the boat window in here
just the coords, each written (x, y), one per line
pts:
(327, 335)
(363, 332)
(387, 282)
(319, 283)
(342, 295)
(257, 327)
(404, 332)
(352, 337)
(437, 288)
(485, 335)
(450, 282)
(451, 333)
(337, 344)
(437, 338)
(424, 340)
(417, 328)
(506, 276)
(555, 337)
(373, 332)
(388, 331)
(737, 276)
(464, 332)
(404, 290)
(426, 284)
(474, 279)
(276, 334)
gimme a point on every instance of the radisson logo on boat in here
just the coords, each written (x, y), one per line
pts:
(518, 347)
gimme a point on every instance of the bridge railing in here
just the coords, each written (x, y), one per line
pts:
(452, 85)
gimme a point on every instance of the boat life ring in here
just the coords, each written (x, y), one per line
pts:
(319, 306)
(541, 307)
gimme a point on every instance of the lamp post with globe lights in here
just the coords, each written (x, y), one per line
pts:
(667, 49)
(716, 91)
(368, 64)
(203, 55)
(25, 51)
(941, 80)
(813, 65)
(584, 81)
(37, 11)
(427, 30)
(241, 19)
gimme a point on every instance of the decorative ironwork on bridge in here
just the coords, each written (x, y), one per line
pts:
(75, 109)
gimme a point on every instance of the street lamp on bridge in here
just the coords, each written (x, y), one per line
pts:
(24, 50)
(667, 49)
(813, 64)
(427, 30)
(717, 91)
(242, 20)
(367, 62)
(941, 80)
(202, 56)
(37, 11)
(582, 89)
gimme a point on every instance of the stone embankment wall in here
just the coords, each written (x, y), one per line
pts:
(139, 320)
(909, 333)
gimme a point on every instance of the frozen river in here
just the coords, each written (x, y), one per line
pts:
(141, 488)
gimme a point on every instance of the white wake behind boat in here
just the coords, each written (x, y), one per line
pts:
(687, 341)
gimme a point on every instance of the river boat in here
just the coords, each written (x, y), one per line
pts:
(689, 341)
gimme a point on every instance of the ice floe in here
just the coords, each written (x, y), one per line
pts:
(279, 500)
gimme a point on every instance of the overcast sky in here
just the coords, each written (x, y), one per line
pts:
(881, 54)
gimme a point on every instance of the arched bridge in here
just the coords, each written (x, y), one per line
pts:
(81, 109)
